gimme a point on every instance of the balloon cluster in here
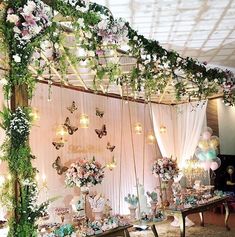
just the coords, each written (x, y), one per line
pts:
(207, 150)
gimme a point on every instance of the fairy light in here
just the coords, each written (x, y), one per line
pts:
(62, 131)
(163, 129)
(84, 121)
(151, 139)
(34, 114)
(138, 128)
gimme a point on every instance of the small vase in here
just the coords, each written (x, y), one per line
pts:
(132, 212)
(97, 215)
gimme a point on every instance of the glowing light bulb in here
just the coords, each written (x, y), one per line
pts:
(62, 131)
(162, 129)
(84, 121)
(151, 139)
(34, 114)
(138, 128)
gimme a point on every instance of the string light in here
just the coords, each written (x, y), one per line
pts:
(34, 114)
(84, 121)
(62, 131)
(163, 129)
(111, 165)
(151, 139)
(138, 128)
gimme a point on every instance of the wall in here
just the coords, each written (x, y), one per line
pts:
(226, 116)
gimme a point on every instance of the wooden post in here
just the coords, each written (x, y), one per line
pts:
(19, 98)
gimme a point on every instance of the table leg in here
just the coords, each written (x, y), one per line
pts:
(153, 228)
(182, 225)
(126, 233)
(227, 213)
(201, 218)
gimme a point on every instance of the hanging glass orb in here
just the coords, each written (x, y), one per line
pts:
(62, 131)
(151, 139)
(34, 114)
(84, 121)
(162, 129)
(138, 128)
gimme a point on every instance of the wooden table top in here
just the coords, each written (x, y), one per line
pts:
(198, 208)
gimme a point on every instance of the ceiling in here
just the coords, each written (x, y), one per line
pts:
(202, 29)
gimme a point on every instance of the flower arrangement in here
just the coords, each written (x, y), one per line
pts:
(132, 200)
(19, 126)
(165, 168)
(64, 230)
(28, 21)
(84, 173)
(112, 32)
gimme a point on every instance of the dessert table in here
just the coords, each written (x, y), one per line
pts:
(182, 213)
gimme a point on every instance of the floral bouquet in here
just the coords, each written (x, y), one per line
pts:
(165, 168)
(29, 21)
(84, 173)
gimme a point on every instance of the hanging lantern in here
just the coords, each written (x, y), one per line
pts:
(62, 131)
(151, 139)
(84, 121)
(34, 114)
(162, 129)
(138, 128)
(111, 165)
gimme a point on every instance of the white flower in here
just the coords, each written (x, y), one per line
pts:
(29, 8)
(36, 29)
(102, 25)
(135, 38)
(88, 34)
(81, 22)
(13, 18)
(16, 30)
(17, 58)
(91, 53)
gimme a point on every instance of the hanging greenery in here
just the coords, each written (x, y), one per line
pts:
(29, 33)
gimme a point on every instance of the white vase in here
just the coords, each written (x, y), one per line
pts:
(97, 215)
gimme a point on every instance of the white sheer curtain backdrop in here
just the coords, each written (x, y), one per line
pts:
(163, 115)
(183, 128)
(85, 143)
(189, 121)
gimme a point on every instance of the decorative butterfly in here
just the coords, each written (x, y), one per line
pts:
(58, 145)
(99, 113)
(59, 168)
(101, 132)
(72, 108)
(71, 129)
(109, 147)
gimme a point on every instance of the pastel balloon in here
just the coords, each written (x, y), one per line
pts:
(208, 129)
(203, 144)
(211, 154)
(218, 161)
(201, 156)
(214, 142)
(206, 135)
(197, 151)
(214, 165)
(206, 165)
